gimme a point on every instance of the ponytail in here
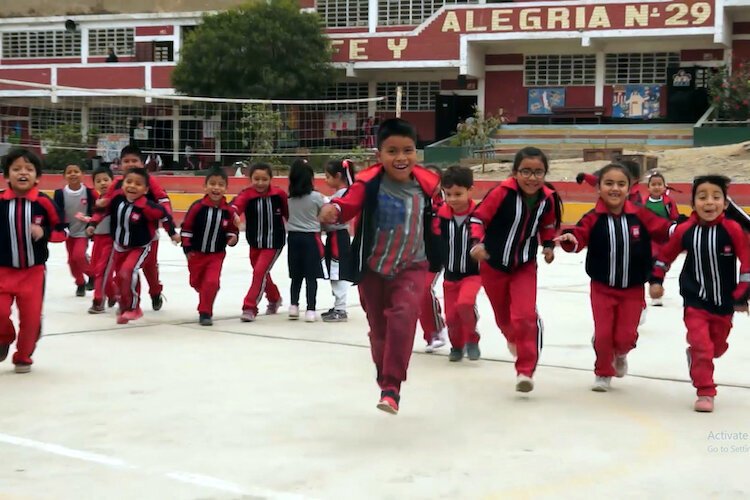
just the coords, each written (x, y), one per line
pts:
(344, 167)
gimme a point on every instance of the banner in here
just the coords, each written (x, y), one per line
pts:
(636, 101)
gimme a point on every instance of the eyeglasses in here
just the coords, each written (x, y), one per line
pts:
(526, 173)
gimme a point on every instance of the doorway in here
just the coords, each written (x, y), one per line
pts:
(450, 111)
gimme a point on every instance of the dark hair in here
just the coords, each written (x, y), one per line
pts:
(27, 155)
(456, 175)
(396, 126)
(260, 166)
(633, 168)
(217, 172)
(615, 166)
(102, 170)
(138, 171)
(130, 150)
(530, 152)
(343, 167)
(300, 178)
(657, 175)
(717, 180)
(72, 164)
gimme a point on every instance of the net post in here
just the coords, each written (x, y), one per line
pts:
(399, 94)
(176, 133)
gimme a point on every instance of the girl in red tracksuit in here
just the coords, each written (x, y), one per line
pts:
(634, 171)
(708, 282)
(265, 209)
(663, 206)
(506, 228)
(618, 234)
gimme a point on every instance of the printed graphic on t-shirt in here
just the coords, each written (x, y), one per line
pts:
(399, 239)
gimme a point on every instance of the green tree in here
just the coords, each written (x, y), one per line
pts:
(263, 50)
(730, 92)
(65, 146)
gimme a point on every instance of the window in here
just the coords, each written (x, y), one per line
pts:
(120, 39)
(410, 12)
(415, 96)
(41, 44)
(163, 51)
(343, 13)
(45, 119)
(576, 69)
(347, 90)
(112, 120)
(637, 68)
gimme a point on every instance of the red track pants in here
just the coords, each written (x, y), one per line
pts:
(127, 265)
(461, 310)
(617, 312)
(430, 316)
(707, 335)
(102, 265)
(26, 288)
(262, 260)
(392, 307)
(513, 300)
(151, 270)
(77, 259)
(205, 274)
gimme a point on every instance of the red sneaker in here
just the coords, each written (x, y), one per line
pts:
(389, 402)
(121, 319)
(133, 315)
(704, 404)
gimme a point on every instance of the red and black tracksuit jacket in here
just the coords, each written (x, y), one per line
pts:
(737, 214)
(619, 253)
(709, 277)
(264, 216)
(455, 244)
(634, 196)
(133, 224)
(510, 230)
(362, 198)
(155, 193)
(207, 226)
(17, 248)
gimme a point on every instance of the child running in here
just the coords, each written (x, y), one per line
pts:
(634, 171)
(135, 220)
(338, 255)
(663, 206)
(206, 231)
(506, 228)
(391, 249)
(461, 282)
(265, 209)
(27, 217)
(618, 234)
(74, 200)
(305, 253)
(101, 254)
(708, 281)
(431, 315)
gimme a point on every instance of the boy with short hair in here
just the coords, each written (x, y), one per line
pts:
(393, 244)
(27, 218)
(206, 231)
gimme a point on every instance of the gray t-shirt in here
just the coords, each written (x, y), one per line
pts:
(104, 226)
(460, 218)
(75, 202)
(335, 227)
(303, 213)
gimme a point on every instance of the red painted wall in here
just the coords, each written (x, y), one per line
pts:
(423, 121)
(154, 30)
(740, 52)
(161, 77)
(24, 75)
(580, 96)
(504, 89)
(741, 28)
(702, 55)
(103, 78)
(496, 59)
(53, 60)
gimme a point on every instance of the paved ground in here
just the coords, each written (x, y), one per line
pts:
(165, 408)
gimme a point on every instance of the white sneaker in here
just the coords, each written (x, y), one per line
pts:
(601, 384)
(439, 339)
(657, 302)
(310, 316)
(513, 350)
(524, 383)
(293, 312)
(643, 317)
(621, 366)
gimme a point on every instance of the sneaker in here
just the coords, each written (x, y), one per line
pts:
(472, 351)
(90, 284)
(247, 316)
(205, 320)
(512, 349)
(157, 301)
(327, 313)
(4, 349)
(121, 319)
(389, 402)
(601, 384)
(133, 315)
(111, 301)
(643, 317)
(96, 308)
(456, 354)
(311, 317)
(657, 302)
(704, 404)
(81, 291)
(23, 368)
(621, 366)
(293, 312)
(335, 316)
(524, 383)
(273, 307)
(439, 339)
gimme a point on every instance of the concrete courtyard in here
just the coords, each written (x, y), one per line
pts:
(166, 409)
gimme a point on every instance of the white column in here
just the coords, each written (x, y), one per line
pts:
(176, 133)
(217, 138)
(84, 45)
(85, 124)
(372, 91)
(372, 15)
(177, 45)
(599, 81)
(53, 82)
(480, 95)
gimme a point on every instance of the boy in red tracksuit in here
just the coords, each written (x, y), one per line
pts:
(27, 218)
(134, 221)
(206, 231)
(393, 247)
(461, 282)
(101, 253)
(131, 157)
(708, 282)
(506, 229)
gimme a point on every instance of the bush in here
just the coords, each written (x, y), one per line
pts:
(730, 93)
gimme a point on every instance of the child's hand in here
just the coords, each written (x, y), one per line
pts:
(656, 291)
(549, 255)
(102, 202)
(37, 233)
(189, 255)
(232, 240)
(237, 220)
(479, 253)
(742, 309)
(329, 214)
(83, 217)
(567, 238)
(175, 239)
(90, 231)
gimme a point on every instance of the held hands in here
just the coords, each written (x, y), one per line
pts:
(175, 239)
(567, 238)
(232, 240)
(37, 232)
(83, 217)
(742, 309)
(90, 231)
(479, 253)
(549, 255)
(329, 214)
(237, 220)
(656, 291)
(102, 202)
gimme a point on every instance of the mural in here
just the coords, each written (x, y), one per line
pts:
(542, 100)
(636, 101)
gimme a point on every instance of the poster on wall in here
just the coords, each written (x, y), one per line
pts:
(336, 123)
(636, 101)
(108, 146)
(542, 100)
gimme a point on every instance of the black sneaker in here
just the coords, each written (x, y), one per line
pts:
(157, 301)
(335, 316)
(96, 308)
(456, 354)
(90, 284)
(4, 348)
(326, 314)
(111, 301)
(205, 320)
(472, 351)
(81, 291)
